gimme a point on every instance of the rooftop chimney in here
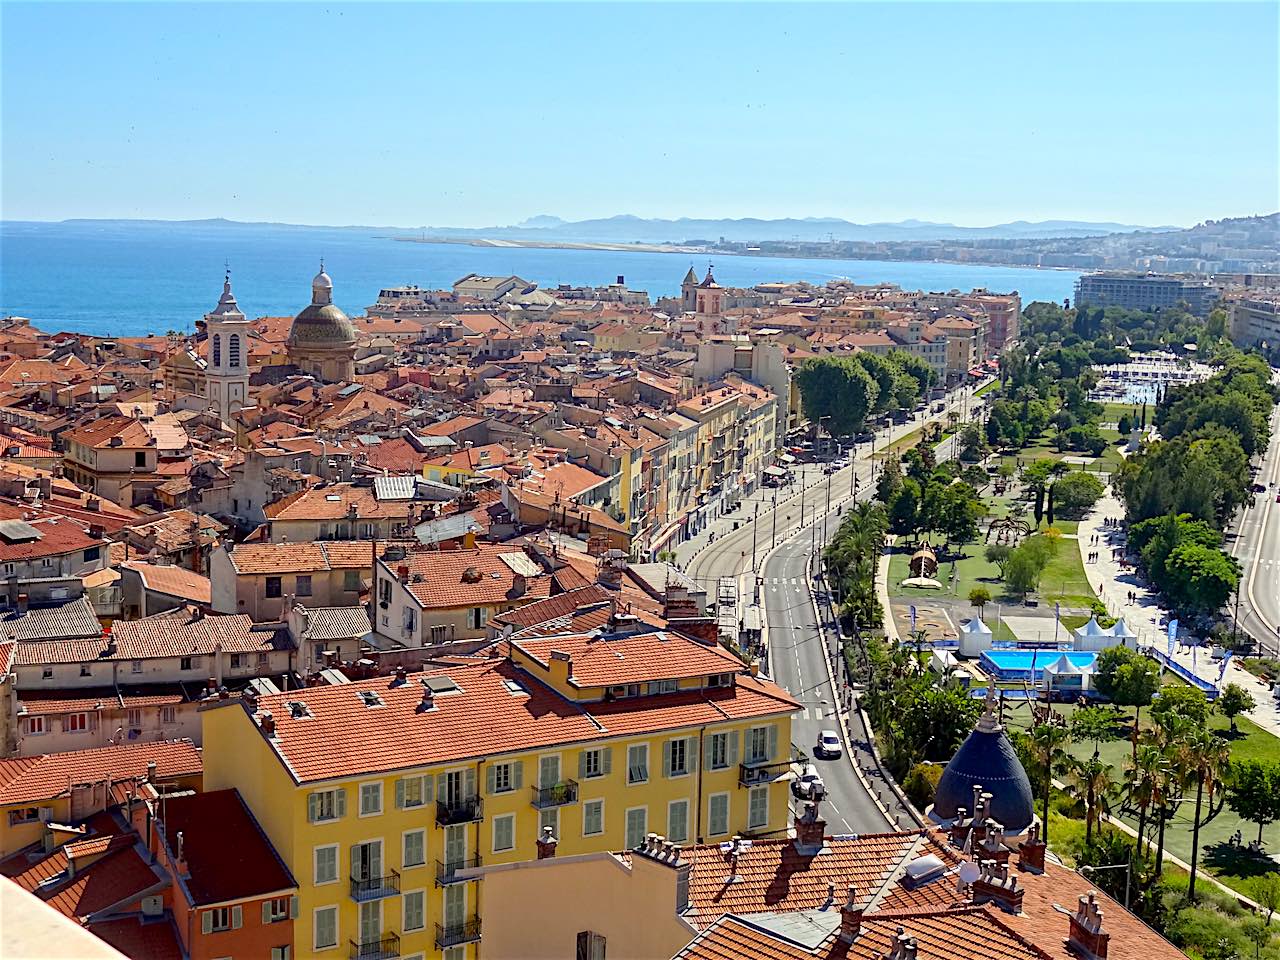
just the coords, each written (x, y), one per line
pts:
(903, 948)
(428, 701)
(22, 604)
(151, 771)
(547, 844)
(1087, 935)
(996, 885)
(1031, 851)
(993, 847)
(811, 831)
(850, 916)
(181, 864)
(268, 723)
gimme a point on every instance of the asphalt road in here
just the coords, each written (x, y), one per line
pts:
(798, 639)
(1257, 547)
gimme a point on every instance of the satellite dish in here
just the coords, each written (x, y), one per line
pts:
(970, 871)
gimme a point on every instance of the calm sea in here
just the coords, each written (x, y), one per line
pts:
(130, 279)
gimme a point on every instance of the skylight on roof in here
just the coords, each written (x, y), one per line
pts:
(439, 685)
(515, 688)
(369, 698)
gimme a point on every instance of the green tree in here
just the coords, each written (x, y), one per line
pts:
(890, 480)
(1091, 781)
(960, 510)
(979, 597)
(1187, 702)
(1096, 724)
(998, 553)
(837, 391)
(1048, 741)
(1256, 932)
(1265, 890)
(1233, 701)
(1127, 679)
(1253, 791)
(904, 507)
(1200, 579)
(1076, 493)
(1203, 758)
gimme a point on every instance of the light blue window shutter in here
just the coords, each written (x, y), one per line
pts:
(666, 758)
(237, 917)
(582, 764)
(293, 907)
(442, 785)
(266, 912)
(491, 779)
(341, 806)
(400, 794)
(773, 742)
(517, 774)
(426, 788)
(206, 922)
(312, 801)
(733, 736)
(691, 752)
(469, 782)
(707, 751)
(606, 764)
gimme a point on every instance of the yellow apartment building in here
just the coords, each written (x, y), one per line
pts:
(383, 795)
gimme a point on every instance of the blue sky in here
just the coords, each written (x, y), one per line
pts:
(478, 114)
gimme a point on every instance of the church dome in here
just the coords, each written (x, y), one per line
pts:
(321, 323)
(987, 760)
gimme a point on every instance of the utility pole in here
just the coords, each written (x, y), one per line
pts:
(755, 522)
(825, 515)
(773, 539)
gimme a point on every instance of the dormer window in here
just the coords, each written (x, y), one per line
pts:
(720, 680)
(625, 690)
(663, 686)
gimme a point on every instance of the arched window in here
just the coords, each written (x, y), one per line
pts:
(217, 350)
(233, 350)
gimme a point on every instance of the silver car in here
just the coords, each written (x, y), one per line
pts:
(828, 745)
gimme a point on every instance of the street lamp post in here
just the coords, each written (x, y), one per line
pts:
(755, 522)
(1128, 875)
(773, 538)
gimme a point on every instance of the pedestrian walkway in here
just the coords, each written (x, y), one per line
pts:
(1126, 594)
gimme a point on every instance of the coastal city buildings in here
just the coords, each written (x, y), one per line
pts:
(363, 636)
(1137, 291)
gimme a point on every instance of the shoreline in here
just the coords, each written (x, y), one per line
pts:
(610, 247)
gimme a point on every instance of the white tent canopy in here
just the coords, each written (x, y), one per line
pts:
(975, 636)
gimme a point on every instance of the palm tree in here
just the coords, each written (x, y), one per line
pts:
(1092, 781)
(1145, 776)
(1204, 757)
(1047, 740)
(1168, 736)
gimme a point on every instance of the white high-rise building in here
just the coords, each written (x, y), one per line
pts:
(227, 373)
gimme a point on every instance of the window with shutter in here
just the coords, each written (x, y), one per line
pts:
(637, 826)
(504, 833)
(415, 848)
(758, 807)
(678, 821)
(593, 818)
(718, 814)
(638, 763)
(326, 928)
(326, 864)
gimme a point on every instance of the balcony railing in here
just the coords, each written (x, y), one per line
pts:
(556, 795)
(387, 947)
(453, 934)
(375, 888)
(460, 810)
(447, 871)
(755, 774)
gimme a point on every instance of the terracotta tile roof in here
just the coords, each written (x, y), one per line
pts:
(474, 458)
(34, 779)
(140, 939)
(556, 607)
(974, 934)
(220, 871)
(337, 623)
(309, 557)
(73, 621)
(98, 433)
(604, 660)
(453, 425)
(81, 700)
(440, 578)
(343, 737)
(172, 580)
(774, 877)
(749, 697)
(335, 501)
(117, 877)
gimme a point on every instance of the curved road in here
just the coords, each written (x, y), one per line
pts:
(798, 640)
(1257, 547)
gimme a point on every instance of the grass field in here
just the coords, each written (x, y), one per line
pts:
(1232, 865)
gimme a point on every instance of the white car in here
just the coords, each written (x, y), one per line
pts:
(828, 744)
(808, 784)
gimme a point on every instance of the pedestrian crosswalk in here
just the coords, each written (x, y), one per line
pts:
(784, 581)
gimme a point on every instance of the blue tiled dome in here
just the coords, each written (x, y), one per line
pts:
(987, 759)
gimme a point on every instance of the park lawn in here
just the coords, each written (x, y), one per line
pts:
(1112, 412)
(1231, 865)
(983, 391)
(1064, 580)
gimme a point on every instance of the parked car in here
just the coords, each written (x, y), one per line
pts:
(828, 745)
(808, 785)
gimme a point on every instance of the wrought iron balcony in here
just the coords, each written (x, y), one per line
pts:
(755, 774)
(556, 795)
(447, 871)
(461, 810)
(454, 934)
(375, 888)
(387, 947)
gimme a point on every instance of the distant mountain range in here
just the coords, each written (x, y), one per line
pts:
(625, 228)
